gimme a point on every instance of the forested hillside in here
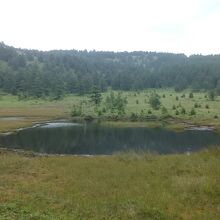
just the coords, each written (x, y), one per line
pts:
(36, 73)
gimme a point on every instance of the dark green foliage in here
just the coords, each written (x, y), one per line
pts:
(149, 112)
(154, 101)
(215, 116)
(137, 102)
(183, 96)
(176, 112)
(55, 73)
(88, 118)
(76, 110)
(57, 94)
(116, 103)
(183, 111)
(177, 98)
(196, 105)
(191, 95)
(179, 105)
(96, 96)
(174, 107)
(164, 110)
(22, 96)
(133, 117)
(192, 112)
(207, 106)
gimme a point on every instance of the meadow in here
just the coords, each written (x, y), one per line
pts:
(207, 112)
(123, 186)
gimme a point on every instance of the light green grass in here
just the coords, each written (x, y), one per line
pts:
(9, 101)
(124, 186)
(47, 109)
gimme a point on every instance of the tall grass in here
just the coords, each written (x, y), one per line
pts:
(124, 186)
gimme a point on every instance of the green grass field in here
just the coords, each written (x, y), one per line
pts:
(138, 103)
(124, 186)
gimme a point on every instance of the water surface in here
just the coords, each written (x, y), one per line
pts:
(93, 139)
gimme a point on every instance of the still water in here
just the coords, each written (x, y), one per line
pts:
(94, 139)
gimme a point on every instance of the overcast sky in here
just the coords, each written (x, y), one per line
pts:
(179, 26)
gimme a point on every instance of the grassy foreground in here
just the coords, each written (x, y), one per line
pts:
(126, 186)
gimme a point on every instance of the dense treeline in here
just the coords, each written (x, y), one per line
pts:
(36, 73)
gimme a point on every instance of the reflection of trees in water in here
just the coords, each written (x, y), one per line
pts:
(94, 139)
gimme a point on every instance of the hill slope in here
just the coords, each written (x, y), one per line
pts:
(37, 73)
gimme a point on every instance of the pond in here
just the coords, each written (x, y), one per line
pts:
(94, 139)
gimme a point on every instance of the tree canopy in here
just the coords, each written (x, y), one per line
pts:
(36, 73)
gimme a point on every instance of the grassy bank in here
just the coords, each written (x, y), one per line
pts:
(126, 186)
(206, 111)
(30, 112)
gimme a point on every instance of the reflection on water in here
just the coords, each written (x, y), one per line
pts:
(96, 139)
(59, 124)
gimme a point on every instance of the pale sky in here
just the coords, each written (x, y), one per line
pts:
(178, 26)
